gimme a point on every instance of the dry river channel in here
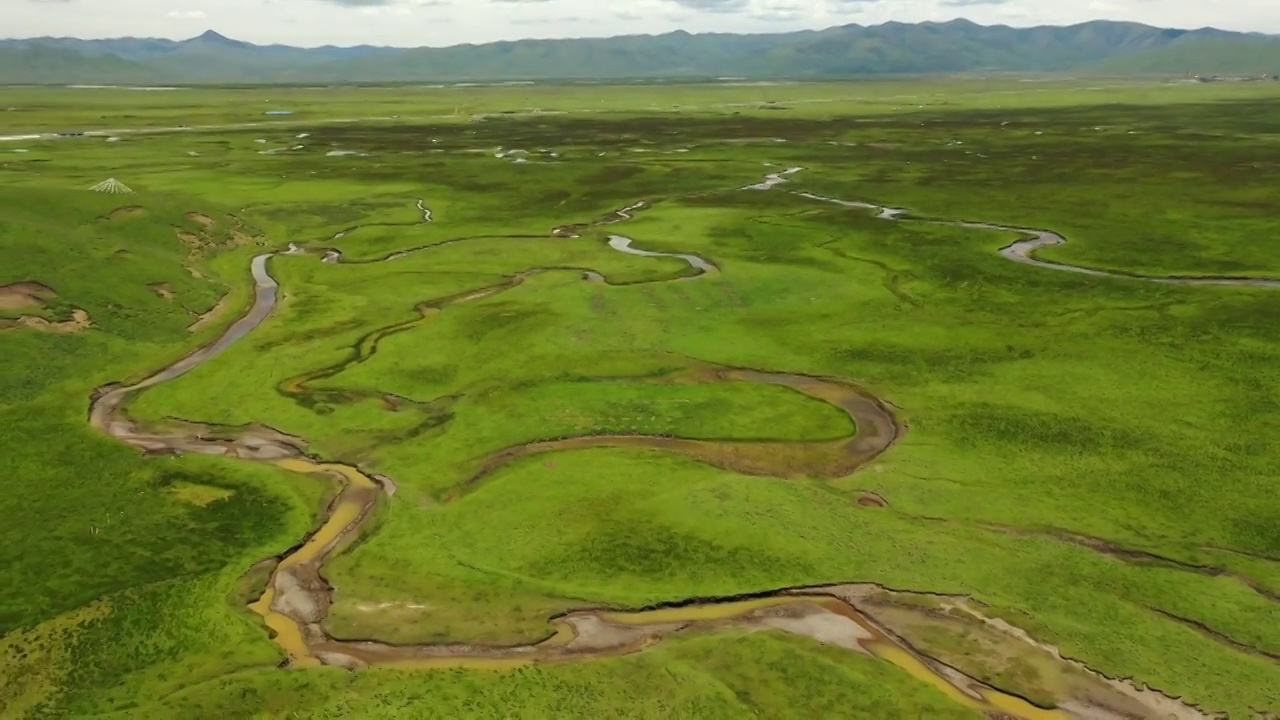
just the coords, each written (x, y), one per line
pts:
(296, 600)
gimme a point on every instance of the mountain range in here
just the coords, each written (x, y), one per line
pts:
(845, 51)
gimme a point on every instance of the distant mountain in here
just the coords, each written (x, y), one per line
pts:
(849, 50)
(1203, 56)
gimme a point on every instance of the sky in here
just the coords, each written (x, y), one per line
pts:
(410, 23)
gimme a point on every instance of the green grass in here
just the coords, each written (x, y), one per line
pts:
(1040, 403)
(707, 676)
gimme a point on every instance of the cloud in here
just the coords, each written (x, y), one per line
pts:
(186, 15)
(387, 3)
(713, 6)
(394, 8)
(780, 10)
(971, 3)
(845, 7)
(563, 20)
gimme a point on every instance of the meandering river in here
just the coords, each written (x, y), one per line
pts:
(296, 600)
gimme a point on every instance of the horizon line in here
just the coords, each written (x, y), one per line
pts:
(958, 19)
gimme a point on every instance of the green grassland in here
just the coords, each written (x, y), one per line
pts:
(1093, 458)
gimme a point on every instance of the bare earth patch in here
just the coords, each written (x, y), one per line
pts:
(193, 241)
(79, 321)
(163, 290)
(869, 499)
(27, 294)
(201, 218)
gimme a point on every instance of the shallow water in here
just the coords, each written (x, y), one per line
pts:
(1023, 251)
(623, 244)
(775, 179)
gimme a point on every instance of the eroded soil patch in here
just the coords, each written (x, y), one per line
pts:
(79, 322)
(25, 295)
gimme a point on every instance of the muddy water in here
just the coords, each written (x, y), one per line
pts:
(876, 430)
(1023, 251)
(297, 598)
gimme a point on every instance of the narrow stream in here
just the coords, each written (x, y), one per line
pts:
(1023, 251)
(623, 244)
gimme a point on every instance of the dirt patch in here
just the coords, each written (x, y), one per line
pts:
(829, 628)
(163, 290)
(201, 218)
(240, 237)
(193, 241)
(127, 211)
(866, 498)
(79, 321)
(24, 295)
(594, 634)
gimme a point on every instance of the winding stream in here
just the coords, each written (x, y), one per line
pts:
(296, 600)
(623, 244)
(1023, 251)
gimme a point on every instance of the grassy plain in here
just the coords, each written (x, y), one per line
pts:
(1093, 458)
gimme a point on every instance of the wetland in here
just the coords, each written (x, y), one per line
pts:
(465, 442)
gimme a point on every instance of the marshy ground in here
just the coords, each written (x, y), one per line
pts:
(569, 411)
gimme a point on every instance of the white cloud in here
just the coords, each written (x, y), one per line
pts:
(1100, 6)
(445, 22)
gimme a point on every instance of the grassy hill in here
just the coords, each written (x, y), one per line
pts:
(38, 64)
(1204, 56)
(849, 50)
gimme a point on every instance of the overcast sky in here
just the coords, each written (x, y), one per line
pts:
(448, 22)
